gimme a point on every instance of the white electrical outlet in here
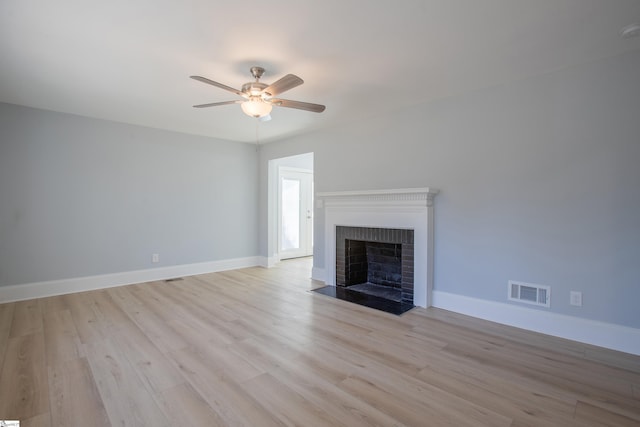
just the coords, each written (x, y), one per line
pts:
(155, 258)
(575, 298)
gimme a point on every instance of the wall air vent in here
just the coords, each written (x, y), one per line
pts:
(529, 293)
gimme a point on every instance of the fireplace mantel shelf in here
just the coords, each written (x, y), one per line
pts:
(397, 197)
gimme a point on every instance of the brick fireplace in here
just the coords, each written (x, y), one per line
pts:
(398, 212)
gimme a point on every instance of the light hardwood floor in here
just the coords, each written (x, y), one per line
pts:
(254, 347)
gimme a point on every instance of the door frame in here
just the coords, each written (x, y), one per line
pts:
(272, 257)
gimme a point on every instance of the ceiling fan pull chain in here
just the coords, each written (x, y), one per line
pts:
(257, 135)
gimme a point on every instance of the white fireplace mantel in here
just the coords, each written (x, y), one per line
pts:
(409, 208)
(397, 198)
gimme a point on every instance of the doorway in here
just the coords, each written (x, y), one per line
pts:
(294, 175)
(295, 219)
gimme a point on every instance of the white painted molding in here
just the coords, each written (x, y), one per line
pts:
(397, 192)
(607, 335)
(293, 169)
(269, 262)
(80, 284)
(318, 273)
(396, 197)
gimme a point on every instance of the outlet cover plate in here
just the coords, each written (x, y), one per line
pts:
(575, 298)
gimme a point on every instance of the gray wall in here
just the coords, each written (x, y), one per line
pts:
(539, 180)
(81, 197)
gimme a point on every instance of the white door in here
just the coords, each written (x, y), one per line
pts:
(295, 222)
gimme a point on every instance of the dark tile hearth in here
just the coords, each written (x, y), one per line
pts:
(386, 292)
(367, 300)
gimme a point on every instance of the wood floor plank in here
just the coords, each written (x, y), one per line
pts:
(612, 393)
(85, 319)
(6, 319)
(24, 390)
(183, 406)
(55, 303)
(402, 359)
(124, 395)
(305, 380)
(42, 420)
(437, 405)
(191, 294)
(407, 412)
(108, 313)
(287, 405)
(230, 401)
(187, 321)
(592, 415)
(154, 326)
(528, 407)
(324, 361)
(62, 341)
(220, 359)
(606, 358)
(152, 367)
(263, 355)
(69, 408)
(27, 318)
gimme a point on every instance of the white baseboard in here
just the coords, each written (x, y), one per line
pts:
(79, 284)
(318, 274)
(608, 335)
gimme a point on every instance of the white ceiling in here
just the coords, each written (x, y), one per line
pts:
(130, 60)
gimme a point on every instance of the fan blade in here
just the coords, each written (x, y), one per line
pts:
(287, 82)
(216, 84)
(215, 104)
(316, 108)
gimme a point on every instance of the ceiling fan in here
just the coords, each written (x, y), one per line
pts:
(259, 97)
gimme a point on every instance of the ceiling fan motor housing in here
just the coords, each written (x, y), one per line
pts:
(254, 88)
(257, 72)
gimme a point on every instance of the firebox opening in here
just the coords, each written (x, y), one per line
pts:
(374, 268)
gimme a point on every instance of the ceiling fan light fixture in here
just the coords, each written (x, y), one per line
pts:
(259, 97)
(256, 107)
